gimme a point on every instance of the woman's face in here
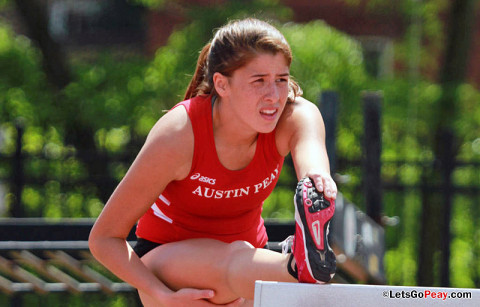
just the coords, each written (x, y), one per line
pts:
(257, 92)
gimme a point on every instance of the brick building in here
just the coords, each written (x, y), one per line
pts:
(91, 23)
(384, 26)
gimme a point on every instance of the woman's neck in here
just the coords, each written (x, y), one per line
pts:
(228, 129)
(235, 146)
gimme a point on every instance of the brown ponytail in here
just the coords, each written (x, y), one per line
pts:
(199, 75)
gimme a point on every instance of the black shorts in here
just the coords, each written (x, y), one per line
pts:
(143, 246)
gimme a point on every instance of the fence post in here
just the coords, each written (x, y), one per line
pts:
(372, 102)
(447, 158)
(328, 105)
(18, 179)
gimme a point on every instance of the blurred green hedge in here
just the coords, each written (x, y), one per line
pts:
(120, 97)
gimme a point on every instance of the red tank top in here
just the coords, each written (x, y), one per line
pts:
(212, 201)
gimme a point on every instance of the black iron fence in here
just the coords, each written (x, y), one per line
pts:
(381, 189)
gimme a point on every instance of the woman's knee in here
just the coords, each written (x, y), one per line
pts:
(150, 261)
(237, 254)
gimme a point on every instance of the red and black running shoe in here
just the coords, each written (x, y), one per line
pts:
(314, 259)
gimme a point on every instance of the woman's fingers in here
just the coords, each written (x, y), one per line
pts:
(324, 183)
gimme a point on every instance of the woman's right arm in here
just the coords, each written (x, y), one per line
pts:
(165, 156)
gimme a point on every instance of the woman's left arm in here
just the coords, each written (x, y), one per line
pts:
(303, 133)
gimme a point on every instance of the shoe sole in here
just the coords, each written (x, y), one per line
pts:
(317, 253)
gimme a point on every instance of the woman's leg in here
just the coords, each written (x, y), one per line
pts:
(229, 269)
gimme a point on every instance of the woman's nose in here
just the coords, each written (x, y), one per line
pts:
(272, 92)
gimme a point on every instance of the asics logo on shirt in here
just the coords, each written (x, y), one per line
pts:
(203, 178)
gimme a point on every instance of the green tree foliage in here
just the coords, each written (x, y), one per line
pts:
(22, 80)
(400, 144)
(423, 111)
(119, 98)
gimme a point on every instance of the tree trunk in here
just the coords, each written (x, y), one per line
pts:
(34, 15)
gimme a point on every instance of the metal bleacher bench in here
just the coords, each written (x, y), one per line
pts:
(46, 255)
(52, 255)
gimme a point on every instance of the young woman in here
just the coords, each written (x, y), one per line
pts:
(198, 184)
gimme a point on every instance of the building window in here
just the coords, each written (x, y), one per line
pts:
(94, 22)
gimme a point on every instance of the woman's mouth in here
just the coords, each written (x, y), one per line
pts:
(269, 114)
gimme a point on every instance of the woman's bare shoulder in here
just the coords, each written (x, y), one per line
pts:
(294, 117)
(171, 141)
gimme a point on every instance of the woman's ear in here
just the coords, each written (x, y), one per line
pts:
(220, 82)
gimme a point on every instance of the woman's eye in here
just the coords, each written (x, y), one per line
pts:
(282, 80)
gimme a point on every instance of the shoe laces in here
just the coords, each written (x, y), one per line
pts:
(286, 244)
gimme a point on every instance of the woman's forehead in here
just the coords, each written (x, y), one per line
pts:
(266, 63)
